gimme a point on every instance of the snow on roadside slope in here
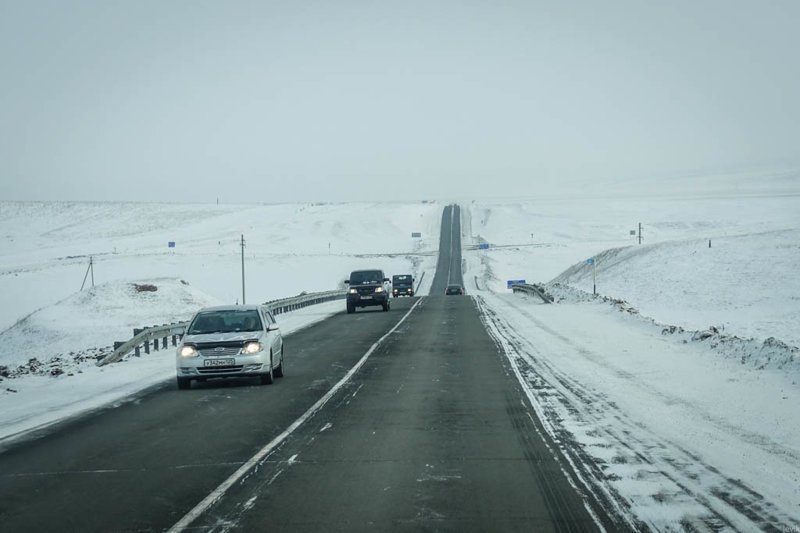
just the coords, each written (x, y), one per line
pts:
(95, 318)
(744, 284)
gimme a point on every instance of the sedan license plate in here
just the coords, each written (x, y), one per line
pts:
(219, 362)
(366, 297)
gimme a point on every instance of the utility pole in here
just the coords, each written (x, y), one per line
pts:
(640, 233)
(243, 300)
(88, 270)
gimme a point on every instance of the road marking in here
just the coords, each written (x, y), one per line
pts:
(220, 491)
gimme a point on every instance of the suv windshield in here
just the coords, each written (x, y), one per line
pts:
(225, 322)
(362, 277)
(401, 279)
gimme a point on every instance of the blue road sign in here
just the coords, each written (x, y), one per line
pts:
(590, 261)
(171, 244)
(511, 282)
(483, 246)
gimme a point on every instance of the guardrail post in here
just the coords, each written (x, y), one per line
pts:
(164, 343)
(155, 345)
(174, 340)
(137, 351)
(147, 346)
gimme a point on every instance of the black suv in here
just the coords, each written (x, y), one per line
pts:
(367, 287)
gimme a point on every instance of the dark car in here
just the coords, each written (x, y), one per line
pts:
(402, 285)
(454, 289)
(367, 288)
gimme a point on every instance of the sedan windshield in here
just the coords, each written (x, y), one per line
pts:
(225, 322)
(366, 276)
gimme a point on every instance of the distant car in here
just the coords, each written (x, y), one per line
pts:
(230, 341)
(402, 285)
(454, 289)
(367, 288)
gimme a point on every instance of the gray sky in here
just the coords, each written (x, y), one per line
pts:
(343, 100)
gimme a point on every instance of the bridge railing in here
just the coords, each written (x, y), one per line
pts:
(159, 337)
(536, 290)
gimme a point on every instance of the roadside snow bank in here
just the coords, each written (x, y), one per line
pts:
(770, 353)
(91, 320)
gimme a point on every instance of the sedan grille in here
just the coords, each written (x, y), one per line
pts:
(219, 351)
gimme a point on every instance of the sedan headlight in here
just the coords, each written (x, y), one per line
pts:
(352, 291)
(252, 347)
(379, 289)
(188, 351)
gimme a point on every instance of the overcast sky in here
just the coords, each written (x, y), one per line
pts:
(335, 100)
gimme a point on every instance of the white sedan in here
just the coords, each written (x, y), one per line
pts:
(230, 341)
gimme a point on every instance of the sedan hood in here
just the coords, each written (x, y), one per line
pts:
(234, 336)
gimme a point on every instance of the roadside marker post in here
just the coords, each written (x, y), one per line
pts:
(592, 262)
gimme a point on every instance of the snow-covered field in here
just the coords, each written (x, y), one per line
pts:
(676, 425)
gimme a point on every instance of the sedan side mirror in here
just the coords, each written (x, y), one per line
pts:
(273, 327)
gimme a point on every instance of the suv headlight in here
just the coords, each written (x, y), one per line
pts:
(352, 291)
(252, 347)
(187, 351)
(379, 289)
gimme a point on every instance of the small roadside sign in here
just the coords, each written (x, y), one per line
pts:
(416, 235)
(483, 246)
(590, 261)
(511, 282)
(171, 244)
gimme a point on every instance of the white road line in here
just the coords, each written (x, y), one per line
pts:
(220, 491)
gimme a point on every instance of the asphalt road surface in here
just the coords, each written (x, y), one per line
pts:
(448, 266)
(430, 432)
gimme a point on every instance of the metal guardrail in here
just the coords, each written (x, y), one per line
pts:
(285, 305)
(536, 290)
(160, 335)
